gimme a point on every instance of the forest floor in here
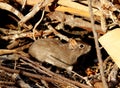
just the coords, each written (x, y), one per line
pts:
(22, 22)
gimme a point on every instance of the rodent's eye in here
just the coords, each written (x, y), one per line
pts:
(81, 46)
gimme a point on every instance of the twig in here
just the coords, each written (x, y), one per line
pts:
(103, 1)
(102, 17)
(20, 35)
(6, 51)
(40, 70)
(7, 83)
(24, 3)
(19, 81)
(11, 9)
(31, 75)
(56, 76)
(36, 67)
(38, 24)
(103, 22)
(36, 8)
(113, 74)
(70, 82)
(51, 74)
(74, 7)
(84, 78)
(57, 33)
(97, 46)
(23, 47)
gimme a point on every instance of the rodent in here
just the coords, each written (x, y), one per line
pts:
(57, 53)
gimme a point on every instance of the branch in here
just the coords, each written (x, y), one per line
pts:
(97, 46)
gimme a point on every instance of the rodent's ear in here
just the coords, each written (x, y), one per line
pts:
(72, 44)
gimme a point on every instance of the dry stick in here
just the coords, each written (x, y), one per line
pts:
(21, 48)
(57, 33)
(20, 35)
(6, 51)
(113, 74)
(103, 22)
(43, 77)
(36, 8)
(32, 75)
(36, 65)
(11, 9)
(6, 83)
(102, 17)
(97, 46)
(37, 68)
(38, 24)
(44, 72)
(20, 81)
(24, 3)
(56, 76)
